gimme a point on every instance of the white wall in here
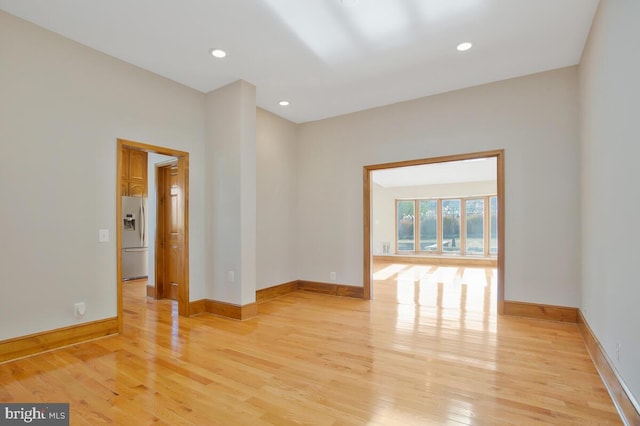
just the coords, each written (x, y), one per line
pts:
(64, 105)
(276, 222)
(533, 118)
(383, 219)
(62, 108)
(231, 194)
(383, 205)
(609, 93)
(152, 210)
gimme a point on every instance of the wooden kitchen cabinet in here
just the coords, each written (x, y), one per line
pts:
(134, 173)
(137, 189)
(137, 166)
(125, 165)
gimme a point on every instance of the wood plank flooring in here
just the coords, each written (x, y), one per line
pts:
(428, 350)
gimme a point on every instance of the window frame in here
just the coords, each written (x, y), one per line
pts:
(439, 225)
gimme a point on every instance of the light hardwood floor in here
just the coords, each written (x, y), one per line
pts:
(428, 350)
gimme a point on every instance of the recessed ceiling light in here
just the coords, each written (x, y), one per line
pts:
(464, 46)
(218, 53)
(284, 103)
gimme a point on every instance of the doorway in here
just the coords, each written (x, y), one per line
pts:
(368, 207)
(179, 264)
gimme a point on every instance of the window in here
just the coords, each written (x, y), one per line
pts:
(451, 226)
(474, 214)
(493, 225)
(463, 226)
(428, 225)
(405, 225)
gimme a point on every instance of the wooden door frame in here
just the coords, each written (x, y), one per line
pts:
(183, 182)
(367, 210)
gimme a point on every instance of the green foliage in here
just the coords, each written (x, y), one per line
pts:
(450, 226)
(475, 226)
(405, 208)
(405, 228)
(428, 229)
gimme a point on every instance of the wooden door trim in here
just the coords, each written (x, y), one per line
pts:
(183, 182)
(367, 195)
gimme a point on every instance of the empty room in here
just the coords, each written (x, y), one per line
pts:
(325, 212)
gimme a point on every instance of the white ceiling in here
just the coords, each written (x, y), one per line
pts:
(328, 57)
(476, 170)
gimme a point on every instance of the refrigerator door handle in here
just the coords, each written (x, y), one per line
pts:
(142, 224)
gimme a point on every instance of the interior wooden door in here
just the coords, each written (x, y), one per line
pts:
(171, 238)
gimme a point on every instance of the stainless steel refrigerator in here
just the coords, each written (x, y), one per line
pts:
(135, 252)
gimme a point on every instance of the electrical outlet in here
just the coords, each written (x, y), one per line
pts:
(79, 309)
(103, 235)
(333, 276)
(618, 347)
(231, 276)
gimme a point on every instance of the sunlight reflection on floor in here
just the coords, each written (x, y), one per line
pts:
(443, 292)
